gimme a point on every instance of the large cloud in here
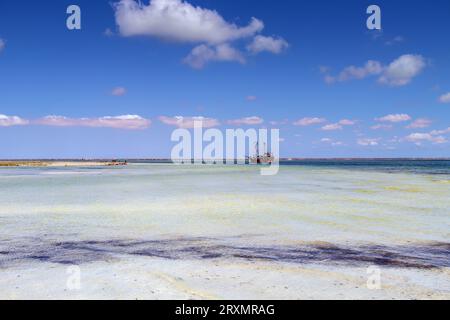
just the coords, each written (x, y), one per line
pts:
(398, 73)
(188, 122)
(9, 121)
(179, 21)
(131, 122)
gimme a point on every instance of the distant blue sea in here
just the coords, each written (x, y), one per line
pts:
(420, 166)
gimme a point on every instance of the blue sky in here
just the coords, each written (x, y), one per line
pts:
(310, 68)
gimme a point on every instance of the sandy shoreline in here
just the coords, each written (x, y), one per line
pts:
(38, 163)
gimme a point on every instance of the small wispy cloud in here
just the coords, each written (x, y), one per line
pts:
(2, 44)
(418, 138)
(445, 98)
(189, 122)
(395, 40)
(9, 121)
(394, 118)
(246, 121)
(130, 122)
(347, 122)
(339, 125)
(332, 126)
(108, 32)
(439, 132)
(368, 142)
(309, 121)
(203, 54)
(332, 142)
(269, 44)
(118, 91)
(250, 98)
(420, 123)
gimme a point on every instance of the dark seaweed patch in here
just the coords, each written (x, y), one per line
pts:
(424, 256)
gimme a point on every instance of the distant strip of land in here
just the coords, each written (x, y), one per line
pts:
(59, 163)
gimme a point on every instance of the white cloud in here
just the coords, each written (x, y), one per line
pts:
(402, 70)
(420, 123)
(308, 121)
(203, 54)
(339, 125)
(398, 73)
(270, 44)
(368, 142)
(178, 20)
(370, 68)
(250, 98)
(445, 98)
(9, 121)
(394, 118)
(418, 138)
(333, 126)
(346, 122)
(130, 122)
(246, 121)
(279, 123)
(2, 45)
(439, 132)
(118, 91)
(188, 122)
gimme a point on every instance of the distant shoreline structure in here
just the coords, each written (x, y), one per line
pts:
(61, 163)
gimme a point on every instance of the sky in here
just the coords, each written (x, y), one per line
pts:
(134, 72)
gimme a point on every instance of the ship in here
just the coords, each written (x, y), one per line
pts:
(265, 158)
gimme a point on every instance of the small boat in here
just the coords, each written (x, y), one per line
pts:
(265, 158)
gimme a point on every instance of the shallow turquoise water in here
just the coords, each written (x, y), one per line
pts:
(327, 222)
(301, 203)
